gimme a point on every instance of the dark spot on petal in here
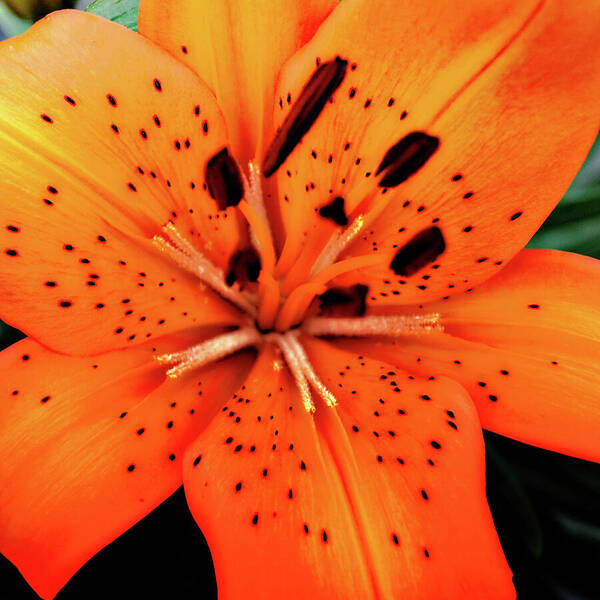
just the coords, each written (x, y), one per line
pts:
(335, 211)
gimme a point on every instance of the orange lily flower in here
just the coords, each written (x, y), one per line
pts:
(302, 296)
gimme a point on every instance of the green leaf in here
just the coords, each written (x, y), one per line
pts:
(575, 222)
(10, 24)
(124, 12)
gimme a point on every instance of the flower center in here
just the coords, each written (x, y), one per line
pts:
(276, 314)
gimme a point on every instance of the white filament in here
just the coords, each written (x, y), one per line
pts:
(336, 245)
(308, 370)
(254, 195)
(297, 371)
(388, 326)
(182, 252)
(210, 351)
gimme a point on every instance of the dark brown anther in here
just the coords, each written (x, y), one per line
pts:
(244, 266)
(305, 111)
(335, 211)
(344, 301)
(421, 250)
(224, 180)
(406, 157)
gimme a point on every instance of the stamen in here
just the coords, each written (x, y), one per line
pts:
(295, 367)
(336, 245)
(254, 194)
(339, 241)
(308, 370)
(189, 258)
(387, 326)
(209, 351)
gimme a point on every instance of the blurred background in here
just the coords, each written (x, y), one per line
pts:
(546, 506)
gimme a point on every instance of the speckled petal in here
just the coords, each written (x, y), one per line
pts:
(237, 47)
(91, 445)
(526, 346)
(462, 124)
(99, 152)
(382, 497)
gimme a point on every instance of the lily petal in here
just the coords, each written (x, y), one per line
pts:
(526, 346)
(297, 506)
(90, 446)
(456, 128)
(237, 48)
(92, 174)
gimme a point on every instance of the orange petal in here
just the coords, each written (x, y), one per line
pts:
(508, 88)
(81, 200)
(237, 48)
(89, 446)
(295, 507)
(526, 345)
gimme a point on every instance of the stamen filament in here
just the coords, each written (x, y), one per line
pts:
(191, 259)
(388, 326)
(254, 194)
(336, 245)
(308, 370)
(341, 240)
(209, 351)
(295, 367)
